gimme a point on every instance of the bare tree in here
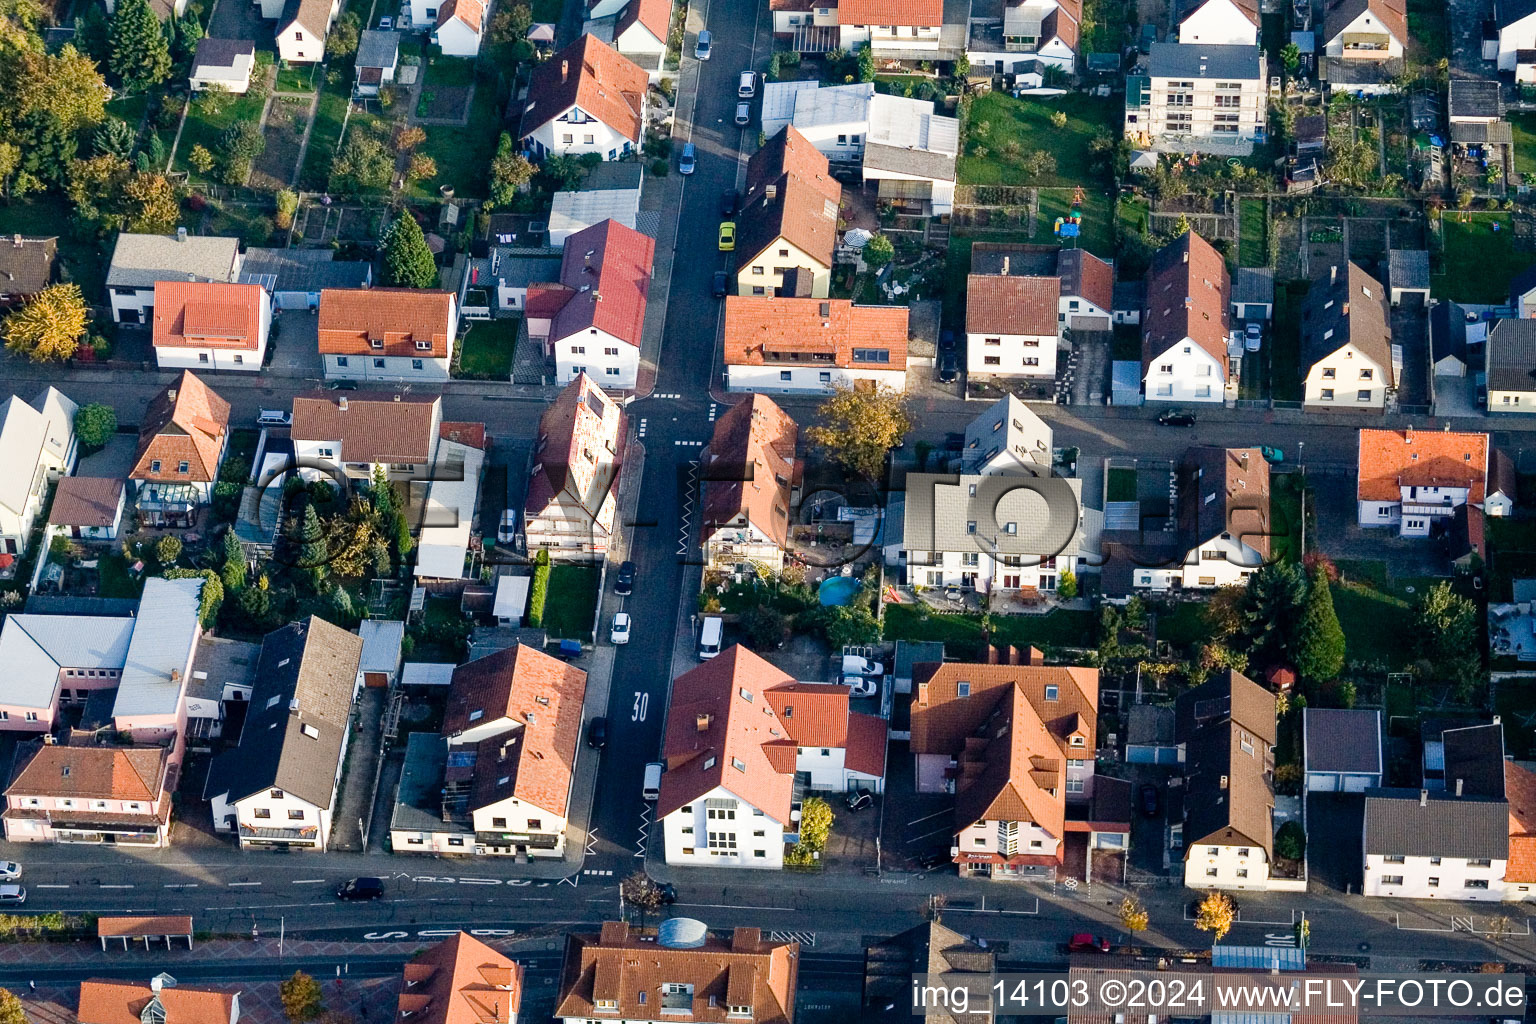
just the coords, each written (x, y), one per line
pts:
(640, 892)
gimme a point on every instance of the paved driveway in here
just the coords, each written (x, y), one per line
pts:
(240, 19)
(295, 337)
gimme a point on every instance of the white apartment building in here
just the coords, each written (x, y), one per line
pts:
(782, 345)
(1411, 479)
(1201, 98)
(1223, 496)
(1434, 845)
(1185, 346)
(1347, 342)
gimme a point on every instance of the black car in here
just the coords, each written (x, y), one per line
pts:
(949, 367)
(728, 201)
(1176, 418)
(1150, 800)
(342, 385)
(860, 799)
(597, 733)
(668, 892)
(624, 583)
(933, 859)
(720, 285)
(946, 341)
(361, 889)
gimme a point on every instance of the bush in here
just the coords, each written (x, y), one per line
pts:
(167, 550)
(1290, 841)
(95, 424)
(538, 593)
(660, 168)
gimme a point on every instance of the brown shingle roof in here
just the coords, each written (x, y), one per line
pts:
(92, 773)
(1392, 459)
(1350, 308)
(374, 427)
(208, 314)
(765, 329)
(1187, 295)
(186, 422)
(921, 13)
(749, 469)
(791, 194)
(86, 501)
(460, 980)
(312, 14)
(1011, 305)
(620, 965)
(608, 268)
(104, 1001)
(1228, 728)
(1225, 490)
(26, 264)
(591, 75)
(351, 319)
(1015, 772)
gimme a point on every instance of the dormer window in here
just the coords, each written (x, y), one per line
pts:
(1078, 740)
(376, 342)
(423, 346)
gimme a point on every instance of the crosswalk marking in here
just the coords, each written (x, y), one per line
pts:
(804, 938)
(597, 871)
(713, 408)
(666, 394)
(689, 444)
(642, 426)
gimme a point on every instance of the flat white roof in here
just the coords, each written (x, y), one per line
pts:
(34, 647)
(570, 212)
(779, 103)
(511, 596)
(912, 124)
(440, 549)
(164, 638)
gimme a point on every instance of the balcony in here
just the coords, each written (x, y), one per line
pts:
(1367, 47)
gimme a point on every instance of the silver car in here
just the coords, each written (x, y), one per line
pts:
(743, 114)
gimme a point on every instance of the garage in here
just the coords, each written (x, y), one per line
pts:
(1080, 322)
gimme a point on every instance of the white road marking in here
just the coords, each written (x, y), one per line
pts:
(46, 886)
(117, 887)
(308, 881)
(242, 883)
(181, 885)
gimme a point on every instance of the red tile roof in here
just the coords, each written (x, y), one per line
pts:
(1520, 791)
(792, 195)
(186, 422)
(460, 980)
(581, 419)
(996, 304)
(93, 773)
(1392, 459)
(591, 75)
(749, 469)
(470, 12)
(865, 750)
(208, 314)
(608, 269)
(471, 435)
(352, 319)
(765, 329)
(104, 1001)
(1188, 289)
(921, 13)
(653, 14)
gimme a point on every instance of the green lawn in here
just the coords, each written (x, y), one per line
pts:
(1478, 262)
(204, 128)
(1060, 628)
(1285, 383)
(572, 598)
(1185, 626)
(1133, 214)
(998, 119)
(447, 70)
(1251, 248)
(464, 154)
(486, 349)
(326, 133)
(297, 78)
(114, 580)
(1097, 231)
(1122, 484)
(1375, 624)
(1524, 125)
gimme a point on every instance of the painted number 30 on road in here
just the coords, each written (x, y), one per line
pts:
(642, 702)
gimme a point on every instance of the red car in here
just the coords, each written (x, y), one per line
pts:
(1083, 942)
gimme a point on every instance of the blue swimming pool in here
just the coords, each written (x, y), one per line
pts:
(838, 590)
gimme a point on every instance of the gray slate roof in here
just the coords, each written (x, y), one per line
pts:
(1408, 268)
(377, 49)
(1342, 740)
(419, 800)
(139, 261)
(611, 175)
(1344, 308)
(1469, 98)
(1405, 823)
(1447, 331)
(918, 162)
(1197, 60)
(221, 53)
(1474, 754)
(304, 270)
(1254, 284)
(1511, 355)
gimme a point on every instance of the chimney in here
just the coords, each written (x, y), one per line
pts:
(293, 706)
(1224, 782)
(341, 403)
(1186, 255)
(565, 70)
(1458, 787)
(1423, 798)
(16, 240)
(181, 234)
(1005, 266)
(1408, 435)
(1034, 656)
(397, 398)
(171, 395)
(701, 721)
(1333, 275)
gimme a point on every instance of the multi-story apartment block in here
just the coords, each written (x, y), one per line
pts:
(1198, 97)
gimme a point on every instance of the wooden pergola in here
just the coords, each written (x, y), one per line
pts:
(132, 929)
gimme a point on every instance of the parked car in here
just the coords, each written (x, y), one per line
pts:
(624, 582)
(620, 633)
(13, 894)
(701, 48)
(1271, 454)
(506, 533)
(1150, 800)
(386, 23)
(342, 385)
(274, 418)
(932, 859)
(10, 871)
(1084, 942)
(720, 286)
(728, 200)
(746, 85)
(946, 341)
(861, 687)
(860, 799)
(1252, 337)
(597, 733)
(743, 113)
(728, 236)
(1176, 418)
(949, 367)
(688, 161)
(854, 665)
(358, 889)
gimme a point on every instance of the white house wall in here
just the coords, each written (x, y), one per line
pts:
(566, 138)
(802, 379)
(386, 368)
(687, 829)
(1225, 867)
(611, 362)
(1451, 877)
(1011, 352)
(1185, 373)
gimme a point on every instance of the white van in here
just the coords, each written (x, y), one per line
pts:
(709, 637)
(652, 784)
(854, 665)
(274, 418)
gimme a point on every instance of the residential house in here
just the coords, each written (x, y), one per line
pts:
(151, 702)
(460, 980)
(27, 266)
(1509, 357)
(751, 478)
(183, 436)
(377, 60)
(1014, 742)
(610, 191)
(460, 27)
(788, 219)
(1226, 730)
(356, 434)
(738, 733)
(1003, 525)
(1412, 478)
(593, 320)
(636, 28)
(1223, 527)
(1363, 44)
(573, 488)
(277, 789)
(1466, 539)
(934, 950)
(202, 325)
(1043, 288)
(1512, 41)
(1435, 845)
(57, 660)
(1185, 355)
(1342, 749)
(683, 970)
(110, 1001)
(1503, 490)
(139, 262)
(1220, 23)
(1520, 869)
(1456, 340)
(87, 508)
(37, 448)
(89, 794)
(1024, 37)
(808, 345)
(301, 28)
(294, 278)
(503, 764)
(908, 32)
(452, 495)
(514, 275)
(388, 333)
(1408, 274)
(223, 63)
(223, 676)
(1198, 98)
(1346, 342)
(1253, 293)
(588, 98)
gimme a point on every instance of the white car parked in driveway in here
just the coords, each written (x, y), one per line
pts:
(620, 633)
(861, 687)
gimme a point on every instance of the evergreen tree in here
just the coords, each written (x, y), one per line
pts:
(93, 36)
(234, 564)
(114, 137)
(313, 550)
(1320, 639)
(141, 57)
(1270, 609)
(408, 262)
